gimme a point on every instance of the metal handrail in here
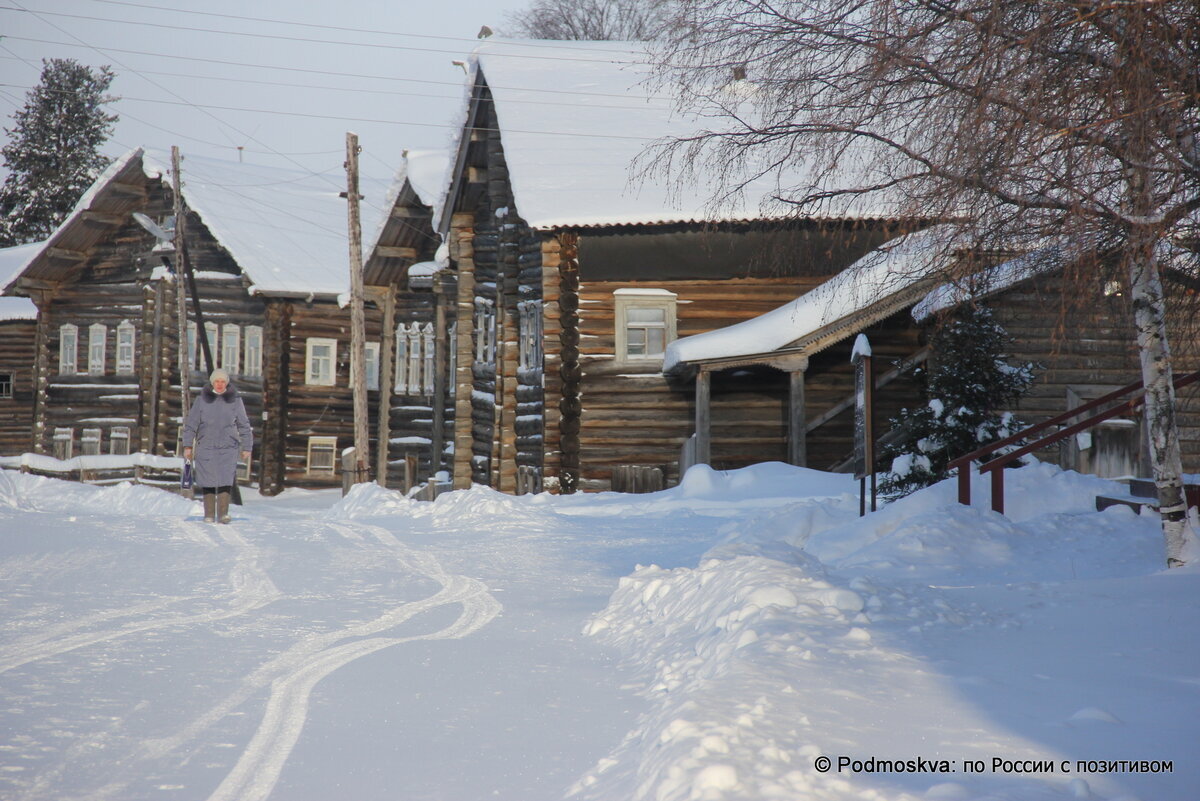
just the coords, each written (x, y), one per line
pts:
(996, 465)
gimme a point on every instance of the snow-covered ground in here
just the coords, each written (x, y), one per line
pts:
(715, 641)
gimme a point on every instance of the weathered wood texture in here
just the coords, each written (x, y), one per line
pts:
(18, 357)
(1091, 349)
(638, 416)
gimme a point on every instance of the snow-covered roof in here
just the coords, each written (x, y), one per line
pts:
(13, 262)
(572, 127)
(425, 173)
(286, 229)
(877, 283)
(989, 281)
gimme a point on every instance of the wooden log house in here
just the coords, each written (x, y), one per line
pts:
(18, 334)
(269, 251)
(570, 281)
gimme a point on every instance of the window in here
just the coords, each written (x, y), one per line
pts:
(64, 443)
(413, 370)
(252, 359)
(401, 359)
(68, 349)
(322, 454)
(320, 363)
(371, 364)
(97, 344)
(427, 345)
(6, 385)
(192, 342)
(210, 333)
(530, 334)
(118, 441)
(645, 320)
(89, 443)
(485, 331)
(231, 348)
(125, 348)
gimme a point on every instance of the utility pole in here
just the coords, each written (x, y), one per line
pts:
(185, 377)
(358, 327)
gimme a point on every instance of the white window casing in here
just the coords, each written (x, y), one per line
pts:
(430, 366)
(253, 350)
(231, 348)
(452, 359)
(485, 331)
(645, 324)
(68, 349)
(320, 363)
(322, 455)
(413, 372)
(210, 333)
(192, 343)
(97, 345)
(89, 442)
(126, 347)
(401, 383)
(371, 364)
(118, 441)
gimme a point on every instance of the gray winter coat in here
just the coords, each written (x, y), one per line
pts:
(217, 430)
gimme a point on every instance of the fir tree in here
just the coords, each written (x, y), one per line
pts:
(969, 380)
(53, 150)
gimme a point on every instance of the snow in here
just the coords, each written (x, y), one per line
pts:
(574, 125)
(886, 271)
(716, 640)
(990, 281)
(284, 228)
(425, 172)
(13, 262)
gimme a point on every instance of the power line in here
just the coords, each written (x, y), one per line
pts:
(343, 89)
(309, 71)
(338, 117)
(531, 43)
(303, 39)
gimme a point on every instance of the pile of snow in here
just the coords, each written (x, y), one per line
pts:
(38, 493)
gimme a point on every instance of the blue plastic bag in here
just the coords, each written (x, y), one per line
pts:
(185, 478)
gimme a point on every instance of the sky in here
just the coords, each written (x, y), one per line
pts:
(273, 82)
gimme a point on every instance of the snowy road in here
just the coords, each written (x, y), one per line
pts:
(292, 654)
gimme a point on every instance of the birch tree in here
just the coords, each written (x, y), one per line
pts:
(590, 20)
(1042, 122)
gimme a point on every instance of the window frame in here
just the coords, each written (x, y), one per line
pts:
(119, 434)
(97, 348)
(252, 353)
(321, 443)
(371, 364)
(323, 379)
(212, 332)
(530, 352)
(90, 440)
(69, 439)
(8, 383)
(626, 299)
(231, 333)
(126, 352)
(68, 332)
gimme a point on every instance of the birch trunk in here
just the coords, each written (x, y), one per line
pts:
(1149, 309)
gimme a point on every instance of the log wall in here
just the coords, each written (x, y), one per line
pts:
(18, 356)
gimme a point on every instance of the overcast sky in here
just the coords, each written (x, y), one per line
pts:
(282, 79)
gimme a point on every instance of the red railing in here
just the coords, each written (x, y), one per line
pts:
(996, 465)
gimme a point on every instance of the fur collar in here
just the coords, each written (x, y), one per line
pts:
(209, 396)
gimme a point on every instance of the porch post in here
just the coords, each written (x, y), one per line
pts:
(797, 430)
(703, 418)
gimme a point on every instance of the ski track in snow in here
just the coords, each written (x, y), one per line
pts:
(292, 675)
(251, 589)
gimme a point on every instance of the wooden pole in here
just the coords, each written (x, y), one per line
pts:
(703, 418)
(185, 376)
(387, 348)
(358, 328)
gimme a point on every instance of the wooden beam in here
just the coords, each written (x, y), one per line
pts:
(131, 190)
(703, 418)
(411, 212)
(797, 432)
(881, 382)
(65, 255)
(104, 218)
(393, 252)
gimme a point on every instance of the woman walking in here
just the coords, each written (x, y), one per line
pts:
(218, 426)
